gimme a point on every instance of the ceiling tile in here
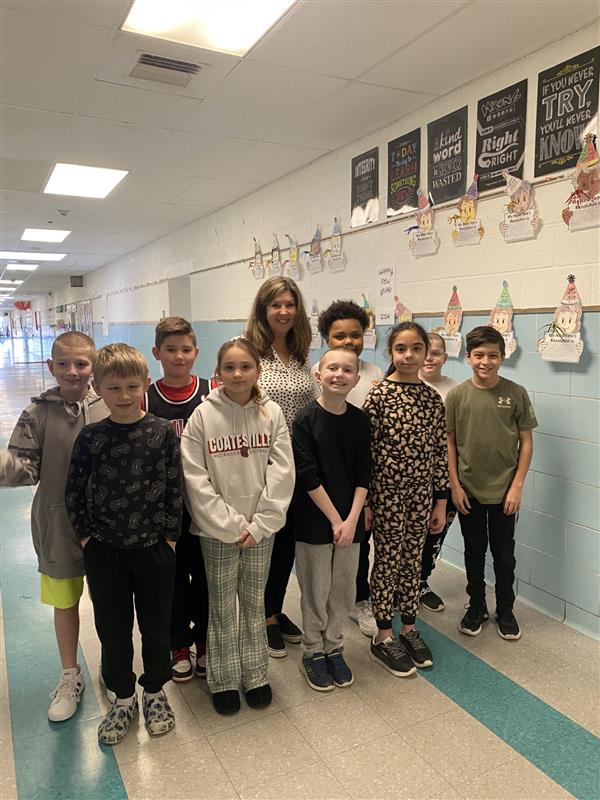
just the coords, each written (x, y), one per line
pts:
(9, 238)
(79, 207)
(180, 215)
(265, 162)
(193, 153)
(215, 193)
(152, 187)
(23, 176)
(106, 13)
(254, 96)
(345, 38)
(338, 120)
(19, 202)
(47, 62)
(30, 134)
(139, 106)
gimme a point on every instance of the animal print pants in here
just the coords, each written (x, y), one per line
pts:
(400, 525)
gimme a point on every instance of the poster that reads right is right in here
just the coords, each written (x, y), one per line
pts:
(567, 104)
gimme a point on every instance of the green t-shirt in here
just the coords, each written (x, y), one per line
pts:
(486, 424)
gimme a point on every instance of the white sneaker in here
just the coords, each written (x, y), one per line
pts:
(362, 614)
(66, 696)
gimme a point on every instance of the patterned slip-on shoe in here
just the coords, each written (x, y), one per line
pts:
(115, 725)
(158, 714)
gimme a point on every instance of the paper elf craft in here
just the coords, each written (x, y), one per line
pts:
(314, 262)
(583, 204)
(501, 318)
(467, 228)
(520, 219)
(275, 267)
(256, 265)
(401, 312)
(369, 335)
(334, 256)
(292, 264)
(562, 340)
(423, 241)
(315, 342)
(450, 333)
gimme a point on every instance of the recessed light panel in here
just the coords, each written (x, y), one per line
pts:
(21, 267)
(227, 26)
(4, 282)
(43, 235)
(29, 256)
(81, 181)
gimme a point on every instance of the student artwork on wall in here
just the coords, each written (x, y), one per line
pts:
(562, 341)
(466, 226)
(275, 265)
(401, 312)
(334, 256)
(384, 291)
(369, 336)
(315, 342)
(583, 204)
(292, 264)
(501, 135)
(447, 156)
(501, 318)
(567, 102)
(404, 169)
(450, 333)
(315, 261)
(364, 200)
(423, 241)
(520, 219)
(256, 265)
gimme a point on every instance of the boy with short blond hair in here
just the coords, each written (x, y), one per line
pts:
(39, 453)
(489, 420)
(174, 397)
(124, 498)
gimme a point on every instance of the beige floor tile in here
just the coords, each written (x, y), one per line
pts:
(314, 781)
(570, 692)
(191, 770)
(388, 769)
(448, 741)
(254, 752)
(517, 780)
(8, 780)
(582, 652)
(288, 683)
(337, 722)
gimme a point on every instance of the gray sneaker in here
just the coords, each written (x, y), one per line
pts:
(391, 655)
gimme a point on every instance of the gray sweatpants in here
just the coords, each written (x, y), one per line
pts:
(327, 579)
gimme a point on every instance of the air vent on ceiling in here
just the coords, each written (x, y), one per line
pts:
(151, 67)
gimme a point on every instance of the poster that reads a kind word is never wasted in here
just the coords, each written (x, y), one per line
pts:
(447, 156)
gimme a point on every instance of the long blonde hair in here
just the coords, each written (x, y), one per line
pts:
(258, 330)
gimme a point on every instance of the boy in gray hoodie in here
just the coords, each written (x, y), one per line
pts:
(39, 452)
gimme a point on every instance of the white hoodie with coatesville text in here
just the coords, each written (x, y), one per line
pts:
(238, 468)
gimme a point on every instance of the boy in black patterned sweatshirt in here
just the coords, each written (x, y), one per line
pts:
(124, 498)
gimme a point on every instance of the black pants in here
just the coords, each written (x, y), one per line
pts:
(117, 579)
(282, 561)
(189, 617)
(363, 590)
(485, 522)
(433, 544)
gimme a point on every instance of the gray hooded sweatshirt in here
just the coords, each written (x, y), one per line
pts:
(39, 452)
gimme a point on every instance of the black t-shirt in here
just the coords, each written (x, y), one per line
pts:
(332, 451)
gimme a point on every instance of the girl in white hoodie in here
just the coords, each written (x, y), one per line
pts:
(239, 479)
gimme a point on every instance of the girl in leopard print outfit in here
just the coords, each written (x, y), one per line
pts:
(407, 496)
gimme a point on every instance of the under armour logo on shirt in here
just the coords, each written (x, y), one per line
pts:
(504, 402)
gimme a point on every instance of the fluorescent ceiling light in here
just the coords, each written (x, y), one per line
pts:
(43, 235)
(29, 256)
(11, 283)
(229, 26)
(80, 181)
(21, 267)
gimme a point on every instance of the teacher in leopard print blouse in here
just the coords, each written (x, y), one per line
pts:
(279, 329)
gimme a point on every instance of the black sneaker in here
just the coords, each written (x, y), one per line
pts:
(277, 648)
(314, 669)
(227, 702)
(260, 697)
(391, 655)
(338, 669)
(429, 599)
(416, 648)
(471, 622)
(508, 627)
(289, 632)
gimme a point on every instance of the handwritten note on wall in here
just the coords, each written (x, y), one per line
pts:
(384, 304)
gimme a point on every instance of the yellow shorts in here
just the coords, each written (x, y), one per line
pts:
(61, 592)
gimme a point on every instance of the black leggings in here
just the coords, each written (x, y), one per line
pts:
(282, 562)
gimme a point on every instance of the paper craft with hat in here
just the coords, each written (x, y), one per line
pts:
(275, 265)
(315, 261)
(256, 265)
(369, 335)
(520, 219)
(450, 333)
(423, 241)
(402, 313)
(333, 255)
(583, 204)
(292, 264)
(562, 341)
(315, 342)
(501, 318)
(467, 228)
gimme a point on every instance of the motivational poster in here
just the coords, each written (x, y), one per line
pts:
(447, 156)
(365, 188)
(404, 168)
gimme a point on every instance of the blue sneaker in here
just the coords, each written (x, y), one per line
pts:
(314, 669)
(338, 669)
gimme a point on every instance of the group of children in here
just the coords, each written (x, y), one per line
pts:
(114, 465)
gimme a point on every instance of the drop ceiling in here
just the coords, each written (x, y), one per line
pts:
(328, 73)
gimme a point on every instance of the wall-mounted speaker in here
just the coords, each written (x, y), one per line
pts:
(77, 281)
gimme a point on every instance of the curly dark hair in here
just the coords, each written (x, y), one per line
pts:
(341, 309)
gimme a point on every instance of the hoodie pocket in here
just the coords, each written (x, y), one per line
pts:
(246, 505)
(60, 544)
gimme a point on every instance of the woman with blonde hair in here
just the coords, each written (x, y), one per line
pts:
(279, 329)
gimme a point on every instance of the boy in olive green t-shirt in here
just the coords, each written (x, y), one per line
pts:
(489, 420)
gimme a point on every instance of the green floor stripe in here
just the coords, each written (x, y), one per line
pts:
(559, 747)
